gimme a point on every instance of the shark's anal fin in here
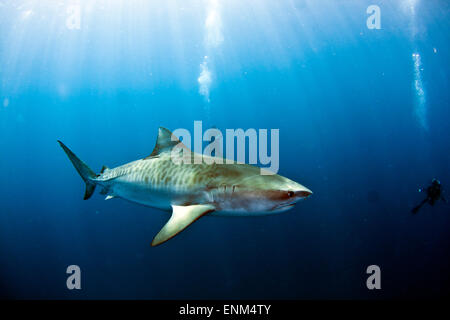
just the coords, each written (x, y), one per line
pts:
(182, 217)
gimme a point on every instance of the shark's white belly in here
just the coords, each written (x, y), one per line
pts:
(164, 198)
(142, 194)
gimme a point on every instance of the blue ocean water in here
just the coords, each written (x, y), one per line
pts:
(363, 118)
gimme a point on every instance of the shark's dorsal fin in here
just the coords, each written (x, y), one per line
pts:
(182, 217)
(165, 142)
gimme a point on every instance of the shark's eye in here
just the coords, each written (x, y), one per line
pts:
(290, 194)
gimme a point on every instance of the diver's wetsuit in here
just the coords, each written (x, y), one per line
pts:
(434, 193)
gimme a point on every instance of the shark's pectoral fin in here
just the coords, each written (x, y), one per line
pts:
(182, 217)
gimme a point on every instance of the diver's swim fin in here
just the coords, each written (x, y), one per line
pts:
(417, 208)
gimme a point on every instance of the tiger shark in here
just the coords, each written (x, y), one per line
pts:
(191, 190)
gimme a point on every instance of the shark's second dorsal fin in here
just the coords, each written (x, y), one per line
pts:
(103, 169)
(165, 142)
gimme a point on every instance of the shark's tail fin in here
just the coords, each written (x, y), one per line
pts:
(85, 172)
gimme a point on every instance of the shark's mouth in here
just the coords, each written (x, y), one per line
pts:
(285, 206)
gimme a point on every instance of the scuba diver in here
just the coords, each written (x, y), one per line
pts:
(434, 193)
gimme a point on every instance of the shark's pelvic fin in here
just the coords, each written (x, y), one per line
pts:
(109, 196)
(182, 217)
(165, 142)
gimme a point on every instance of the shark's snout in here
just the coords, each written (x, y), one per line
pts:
(303, 193)
(299, 195)
(288, 199)
(300, 191)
